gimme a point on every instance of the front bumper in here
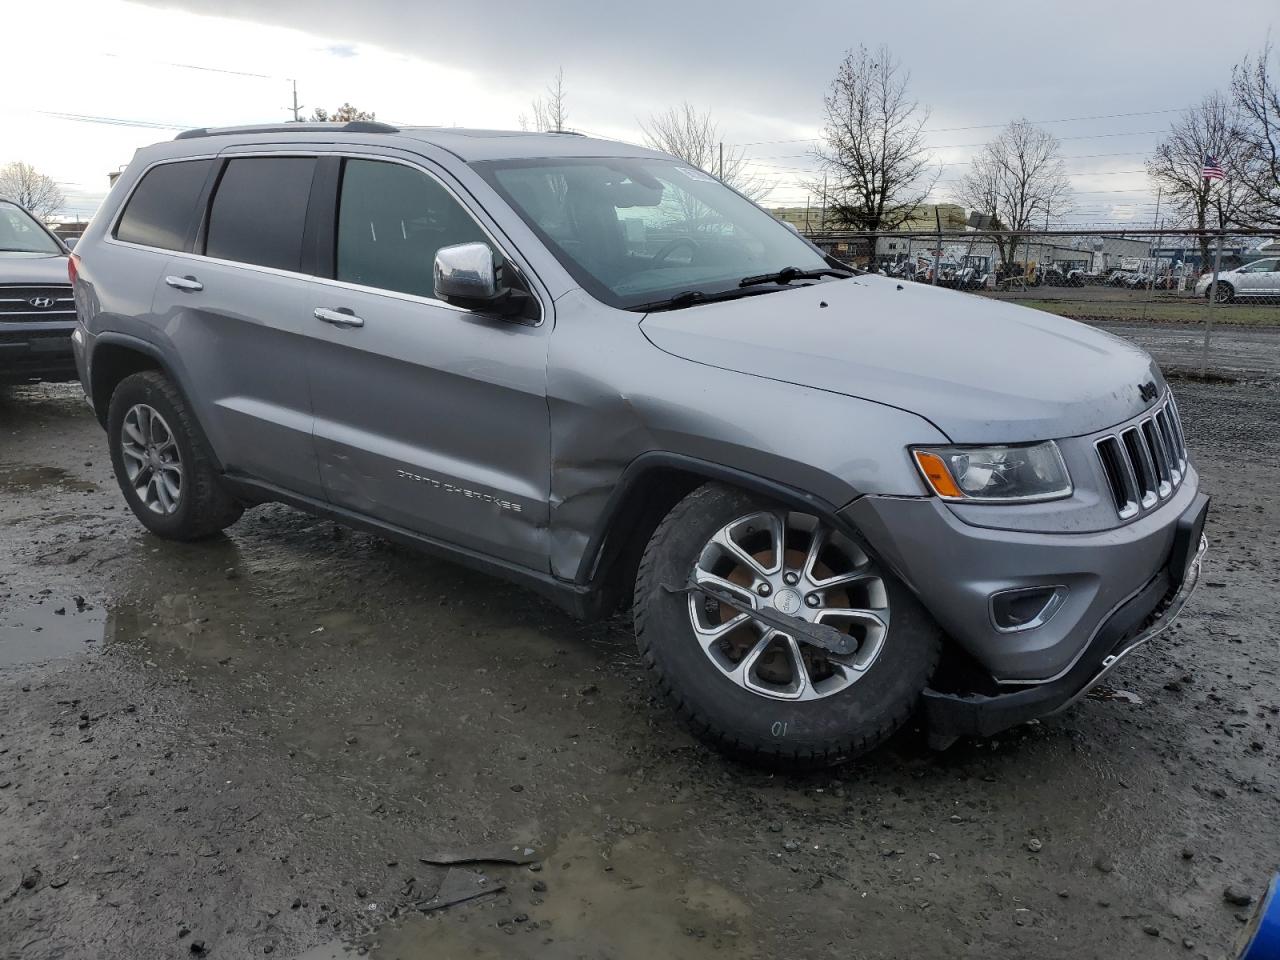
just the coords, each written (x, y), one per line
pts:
(31, 352)
(1143, 617)
(955, 568)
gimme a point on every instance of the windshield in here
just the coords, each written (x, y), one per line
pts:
(634, 231)
(21, 234)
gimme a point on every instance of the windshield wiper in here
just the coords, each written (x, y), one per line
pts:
(789, 274)
(689, 298)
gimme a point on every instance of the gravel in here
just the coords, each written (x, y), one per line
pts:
(218, 711)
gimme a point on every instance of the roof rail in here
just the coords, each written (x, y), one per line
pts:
(567, 133)
(351, 126)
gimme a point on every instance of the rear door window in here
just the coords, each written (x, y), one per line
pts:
(391, 221)
(259, 210)
(162, 210)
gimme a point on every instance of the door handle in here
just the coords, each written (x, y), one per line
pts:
(342, 317)
(185, 283)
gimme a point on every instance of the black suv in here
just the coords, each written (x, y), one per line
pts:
(37, 312)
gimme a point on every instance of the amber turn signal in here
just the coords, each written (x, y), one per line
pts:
(936, 472)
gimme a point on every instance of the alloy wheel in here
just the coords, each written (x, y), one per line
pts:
(802, 568)
(152, 460)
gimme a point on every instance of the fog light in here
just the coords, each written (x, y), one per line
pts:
(1025, 608)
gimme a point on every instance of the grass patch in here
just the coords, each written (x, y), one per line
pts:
(1245, 315)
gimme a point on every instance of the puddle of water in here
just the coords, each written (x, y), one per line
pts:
(632, 901)
(36, 632)
(1118, 696)
(24, 477)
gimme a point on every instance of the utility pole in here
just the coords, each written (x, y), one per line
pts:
(937, 257)
(297, 107)
(1155, 260)
(823, 225)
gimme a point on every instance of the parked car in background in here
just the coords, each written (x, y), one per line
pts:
(37, 313)
(594, 370)
(1261, 278)
(1054, 275)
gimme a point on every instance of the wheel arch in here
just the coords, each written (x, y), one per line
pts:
(116, 356)
(646, 491)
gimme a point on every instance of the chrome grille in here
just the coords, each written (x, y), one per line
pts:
(16, 304)
(1144, 462)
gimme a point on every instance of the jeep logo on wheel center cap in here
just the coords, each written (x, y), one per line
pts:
(786, 601)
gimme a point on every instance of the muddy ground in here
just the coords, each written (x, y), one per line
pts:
(249, 744)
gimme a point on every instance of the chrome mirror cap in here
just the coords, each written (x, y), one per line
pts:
(465, 272)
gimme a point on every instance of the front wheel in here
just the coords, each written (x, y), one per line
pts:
(1225, 292)
(756, 691)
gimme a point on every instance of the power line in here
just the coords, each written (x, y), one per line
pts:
(196, 66)
(958, 146)
(116, 121)
(988, 126)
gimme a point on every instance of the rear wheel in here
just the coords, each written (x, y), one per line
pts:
(1226, 292)
(764, 693)
(162, 461)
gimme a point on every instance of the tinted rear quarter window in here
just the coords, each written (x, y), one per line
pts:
(161, 210)
(259, 210)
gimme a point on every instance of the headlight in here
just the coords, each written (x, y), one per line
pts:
(997, 474)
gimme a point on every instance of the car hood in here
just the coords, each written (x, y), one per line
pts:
(1222, 275)
(980, 370)
(33, 268)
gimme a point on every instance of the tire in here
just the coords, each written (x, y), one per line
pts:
(1226, 293)
(747, 723)
(201, 507)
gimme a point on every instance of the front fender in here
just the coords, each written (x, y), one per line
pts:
(615, 399)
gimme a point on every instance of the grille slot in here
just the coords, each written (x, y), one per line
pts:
(16, 305)
(1144, 462)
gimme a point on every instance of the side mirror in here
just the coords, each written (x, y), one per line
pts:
(465, 275)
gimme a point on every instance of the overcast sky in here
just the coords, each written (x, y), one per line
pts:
(121, 75)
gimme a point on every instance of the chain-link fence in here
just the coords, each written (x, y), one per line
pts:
(1099, 275)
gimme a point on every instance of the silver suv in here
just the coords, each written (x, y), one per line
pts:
(589, 368)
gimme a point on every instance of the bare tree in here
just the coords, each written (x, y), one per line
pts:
(344, 114)
(39, 193)
(692, 136)
(550, 113)
(1256, 90)
(1209, 129)
(873, 150)
(1019, 180)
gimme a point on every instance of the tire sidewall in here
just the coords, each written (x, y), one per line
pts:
(149, 389)
(863, 713)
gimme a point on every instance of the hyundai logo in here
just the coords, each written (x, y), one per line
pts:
(41, 303)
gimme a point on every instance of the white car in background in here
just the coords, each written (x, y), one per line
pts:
(1261, 278)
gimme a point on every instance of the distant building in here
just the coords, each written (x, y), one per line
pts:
(69, 229)
(814, 219)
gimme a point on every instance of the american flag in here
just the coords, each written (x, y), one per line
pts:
(1212, 169)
